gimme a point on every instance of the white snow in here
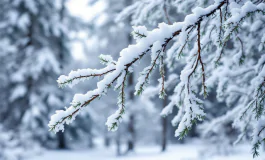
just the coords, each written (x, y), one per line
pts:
(18, 91)
(127, 56)
(174, 152)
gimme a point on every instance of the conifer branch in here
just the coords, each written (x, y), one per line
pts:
(54, 125)
(200, 60)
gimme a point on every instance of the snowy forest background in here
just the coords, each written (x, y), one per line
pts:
(43, 39)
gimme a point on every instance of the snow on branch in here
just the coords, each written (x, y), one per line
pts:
(128, 56)
(75, 77)
(221, 20)
(114, 120)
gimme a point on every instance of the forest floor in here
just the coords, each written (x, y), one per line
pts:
(174, 152)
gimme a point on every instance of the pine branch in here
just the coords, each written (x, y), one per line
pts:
(70, 80)
(115, 119)
(200, 60)
(186, 41)
(54, 125)
(162, 92)
(149, 70)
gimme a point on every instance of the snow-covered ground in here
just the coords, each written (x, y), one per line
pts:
(174, 152)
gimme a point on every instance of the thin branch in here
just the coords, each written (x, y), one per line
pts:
(242, 46)
(186, 41)
(86, 76)
(136, 59)
(166, 13)
(200, 60)
(261, 130)
(226, 9)
(150, 70)
(220, 29)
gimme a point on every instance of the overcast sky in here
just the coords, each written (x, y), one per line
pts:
(81, 8)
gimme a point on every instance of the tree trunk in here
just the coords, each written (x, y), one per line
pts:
(164, 133)
(90, 141)
(107, 142)
(106, 139)
(131, 131)
(118, 143)
(164, 124)
(60, 135)
(61, 140)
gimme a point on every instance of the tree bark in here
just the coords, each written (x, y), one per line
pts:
(118, 143)
(131, 128)
(131, 138)
(61, 140)
(106, 139)
(164, 123)
(90, 141)
(60, 135)
(164, 133)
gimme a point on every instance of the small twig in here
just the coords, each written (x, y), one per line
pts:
(226, 9)
(166, 13)
(261, 130)
(242, 46)
(200, 59)
(187, 39)
(86, 76)
(220, 31)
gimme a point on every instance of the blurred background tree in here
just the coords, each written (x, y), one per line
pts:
(42, 39)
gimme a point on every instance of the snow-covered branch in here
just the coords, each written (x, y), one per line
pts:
(128, 56)
(202, 39)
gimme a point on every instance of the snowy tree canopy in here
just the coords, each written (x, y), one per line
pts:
(35, 45)
(210, 43)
